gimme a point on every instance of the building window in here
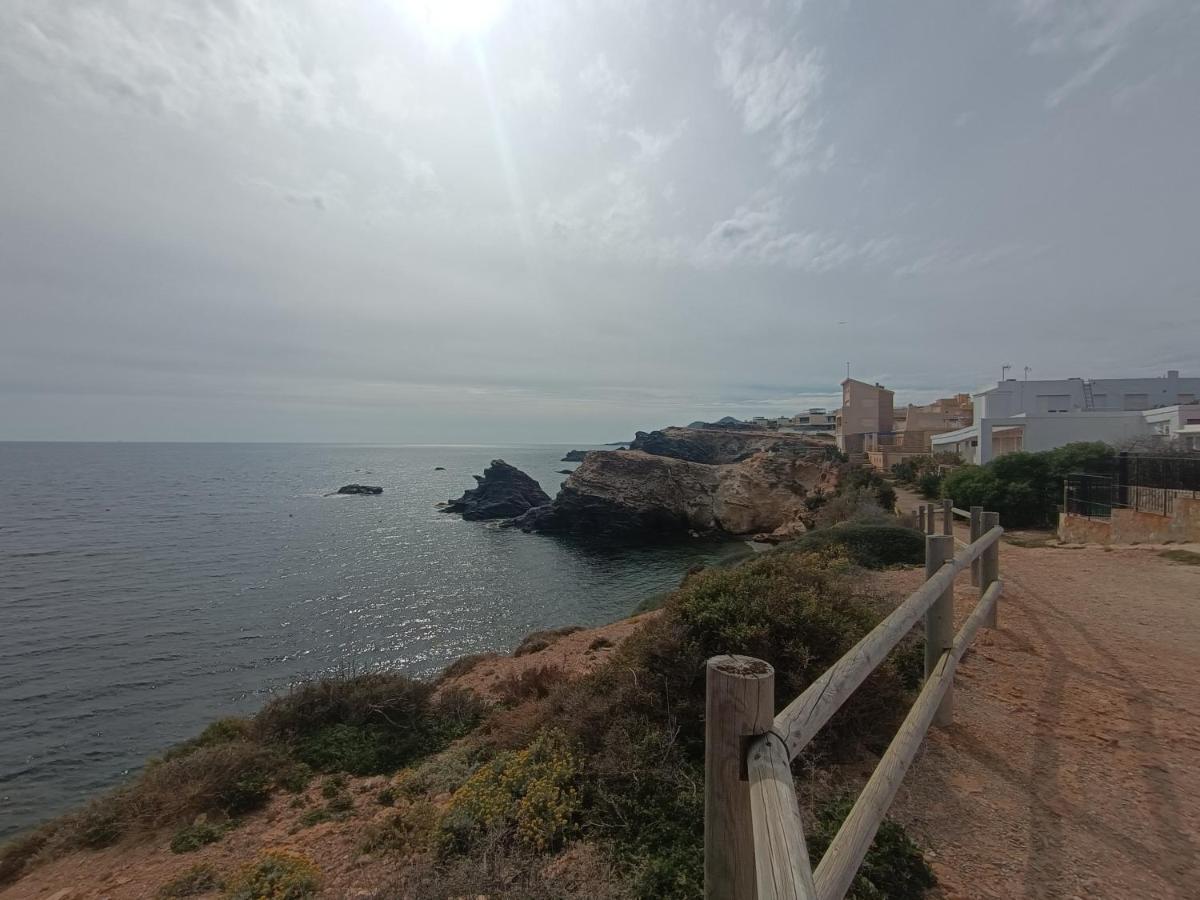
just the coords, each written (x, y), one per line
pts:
(1054, 403)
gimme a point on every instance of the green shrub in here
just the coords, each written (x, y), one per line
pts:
(387, 796)
(894, 868)
(16, 854)
(366, 724)
(198, 834)
(222, 731)
(1025, 488)
(275, 875)
(199, 879)
(929, 484)
(410, 829)
(873, 546)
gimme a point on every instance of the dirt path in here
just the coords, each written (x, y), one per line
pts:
(1072, 768)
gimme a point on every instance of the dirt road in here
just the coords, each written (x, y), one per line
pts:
(1072, 768)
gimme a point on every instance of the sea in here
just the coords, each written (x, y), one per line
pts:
(147, 589)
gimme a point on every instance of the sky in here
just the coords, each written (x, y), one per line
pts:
(487, 221)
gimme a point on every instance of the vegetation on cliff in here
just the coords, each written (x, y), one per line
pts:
(603, 772)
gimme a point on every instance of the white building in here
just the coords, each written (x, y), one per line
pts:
(1016, 415)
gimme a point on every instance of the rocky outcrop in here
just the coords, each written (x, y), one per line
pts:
(359, 489)
(716, 446)
(503, 491)
(635, 494)
(574, 456)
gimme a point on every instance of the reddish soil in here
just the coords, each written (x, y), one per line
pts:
(574, 654)
(1072, 768)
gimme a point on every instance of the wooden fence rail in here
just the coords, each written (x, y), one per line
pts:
(753, 834)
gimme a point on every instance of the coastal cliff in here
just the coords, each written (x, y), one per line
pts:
(682, 481)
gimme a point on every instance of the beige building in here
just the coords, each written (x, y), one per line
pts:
(868, 424)
(866, 412)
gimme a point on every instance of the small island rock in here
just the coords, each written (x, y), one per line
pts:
(359, 489)
(503, 492)
(574, 456)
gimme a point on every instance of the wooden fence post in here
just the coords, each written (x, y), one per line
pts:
(948, 517)
(921, 517)
(939, 620)
(989, 564)
(739, 703)
(976, 531)
(929, 523)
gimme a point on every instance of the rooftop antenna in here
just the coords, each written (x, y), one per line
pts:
(847, 369)
(1004, 370)
(1027, 371)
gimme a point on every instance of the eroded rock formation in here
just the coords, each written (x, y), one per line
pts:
(638, 494)
(503, 491)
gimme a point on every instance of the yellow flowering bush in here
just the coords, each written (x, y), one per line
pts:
(275, 875)
(531, 793)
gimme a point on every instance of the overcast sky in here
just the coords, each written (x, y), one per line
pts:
(476, 220)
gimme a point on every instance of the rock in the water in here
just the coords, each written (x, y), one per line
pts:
(439, 468)
(574, 456)
(565, 471)
(503, 492)
(359, 489)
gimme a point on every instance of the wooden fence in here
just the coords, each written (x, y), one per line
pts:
(753, 835)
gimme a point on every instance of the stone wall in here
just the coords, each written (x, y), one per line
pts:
(1128, 526)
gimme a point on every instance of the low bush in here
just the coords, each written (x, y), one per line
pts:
(439, 774)
(531, 683)
(410, 829)
(199, 834)
(861, 477)
(872, 545)
(199, 879)
(929, 484)
(528, 794)
(465, 664)
(856, 504)
(540, 640)
(894, 868)
(275, 875)
(1025, 488)
(366, 724)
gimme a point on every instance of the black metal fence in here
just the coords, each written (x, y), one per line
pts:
(1145, 483)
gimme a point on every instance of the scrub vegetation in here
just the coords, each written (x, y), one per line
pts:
(602, 773)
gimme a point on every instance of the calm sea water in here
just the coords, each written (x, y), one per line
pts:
(146, 589)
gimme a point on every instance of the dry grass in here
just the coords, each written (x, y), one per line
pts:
(1187, 557)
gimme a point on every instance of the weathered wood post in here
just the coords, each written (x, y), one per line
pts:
(939, 620)
(921, 518)
(948, 517)
(740, 703)
(929, 523)
(976, 531)
(989, 565)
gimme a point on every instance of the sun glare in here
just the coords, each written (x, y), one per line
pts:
(450, 19)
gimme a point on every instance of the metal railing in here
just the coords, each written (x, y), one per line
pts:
(753, 834)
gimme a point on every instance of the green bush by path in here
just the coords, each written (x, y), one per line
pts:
(1025, 488)
(873, 546)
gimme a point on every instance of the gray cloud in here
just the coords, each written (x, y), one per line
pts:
(252, 219)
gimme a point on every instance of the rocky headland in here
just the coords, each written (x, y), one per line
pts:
(503, 491)
(682, 482)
